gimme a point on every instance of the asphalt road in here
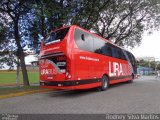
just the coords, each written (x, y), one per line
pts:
(141, 96)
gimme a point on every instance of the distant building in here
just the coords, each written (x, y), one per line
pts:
(145, 70)
(146, 58)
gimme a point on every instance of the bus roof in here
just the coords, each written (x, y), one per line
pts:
(75, 26)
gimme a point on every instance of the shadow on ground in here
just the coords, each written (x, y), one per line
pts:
(78, 93)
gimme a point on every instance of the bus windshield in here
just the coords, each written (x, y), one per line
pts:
(56, 36)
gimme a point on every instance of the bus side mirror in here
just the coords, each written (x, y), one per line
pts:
(82, 37)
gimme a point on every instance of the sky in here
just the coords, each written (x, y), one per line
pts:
(149, 47)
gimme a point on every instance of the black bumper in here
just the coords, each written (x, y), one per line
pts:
(69, 82)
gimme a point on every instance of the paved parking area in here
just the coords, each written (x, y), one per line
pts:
(141, 96)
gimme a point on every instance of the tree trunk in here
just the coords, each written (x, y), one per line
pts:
(18, 72)
(21, 54)
(42, 20)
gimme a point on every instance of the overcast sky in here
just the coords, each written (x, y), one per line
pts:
(150, 46)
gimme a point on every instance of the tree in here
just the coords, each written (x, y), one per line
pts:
(124, 21)
(120, 21)
(158, 66)
(6, 45)
(49, 15)
(14, 10)
(88, 12)
(144, 63)
(153, 64)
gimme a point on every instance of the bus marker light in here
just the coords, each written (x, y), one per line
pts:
(42, 84)
(59, 85)
(69, 76)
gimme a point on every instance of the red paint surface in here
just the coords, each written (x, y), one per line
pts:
(95, 66)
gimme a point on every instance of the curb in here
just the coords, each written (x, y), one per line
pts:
(8, 85)
(23, 93)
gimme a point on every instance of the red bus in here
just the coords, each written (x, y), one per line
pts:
(74, 58)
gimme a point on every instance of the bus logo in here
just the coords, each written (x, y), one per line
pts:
(48, 71)
(115, 69)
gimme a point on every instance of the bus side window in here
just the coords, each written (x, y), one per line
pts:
(133, 60)
(118, 53)
(130, 58)
(121, 54)
(102, 47)
(114, 52)
(83, 40)
(104, 50)
(108, 49)
(123, 57)
(98, 45)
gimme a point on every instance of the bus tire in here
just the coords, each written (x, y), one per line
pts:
(105, 83)
(131, 81)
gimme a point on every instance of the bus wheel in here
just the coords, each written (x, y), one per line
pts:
(105, 83)
(131, 81)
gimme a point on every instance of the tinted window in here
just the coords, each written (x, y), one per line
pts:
(118, 53)
(134, 64)
(56, 36)
(130, 57)
(114, 52)
(98, 45)
(102, 47)
(108, 49)
(132, 61)
(121, 54)
(83, 40)
(91, 43)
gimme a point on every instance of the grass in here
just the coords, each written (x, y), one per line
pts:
(10, 77)
(7, 77)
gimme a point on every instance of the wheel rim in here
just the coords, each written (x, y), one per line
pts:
(105, 84)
